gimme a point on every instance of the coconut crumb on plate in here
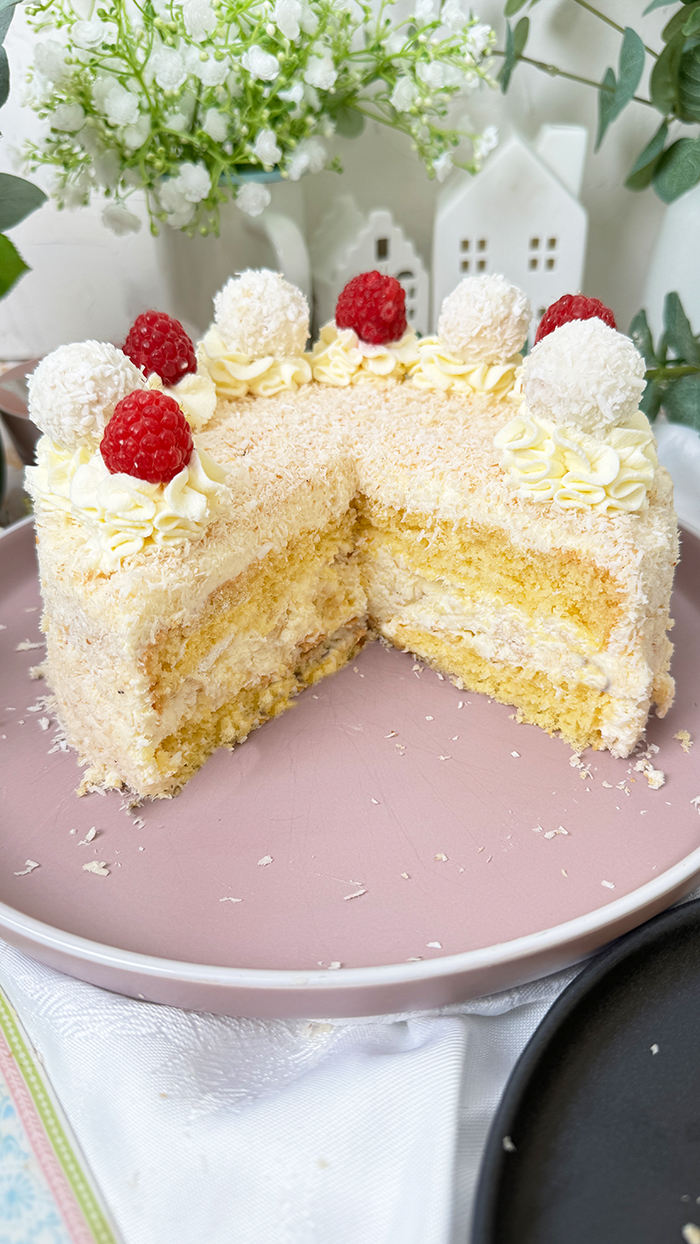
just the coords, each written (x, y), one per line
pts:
(684, 739)
(98, 867)
(29, 867)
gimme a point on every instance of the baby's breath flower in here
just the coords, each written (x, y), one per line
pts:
(404, 94)
(260, 64)
(50, 60)
(68, 117)
(287, 14)
(215, 125)
(120, 220)
(168, 68)
(199, 18)
(253, 198)
(266, 149)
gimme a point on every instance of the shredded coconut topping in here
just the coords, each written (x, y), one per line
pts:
(484, 320)
(259, 314)
(584, 374)
(73, 392)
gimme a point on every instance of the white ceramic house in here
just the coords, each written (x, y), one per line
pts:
(348, 242)
(520, 216)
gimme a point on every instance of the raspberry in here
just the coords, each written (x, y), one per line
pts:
(374, 306)
(147, 436)
(573, 307)
(159, 344)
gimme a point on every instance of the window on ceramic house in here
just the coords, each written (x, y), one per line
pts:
(381, 248)
(407, 281)
(473, 256)
(543, 254)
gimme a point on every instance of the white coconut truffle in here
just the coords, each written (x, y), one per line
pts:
(585, 374)
(259, 313)
(484, 320)
(73, 391)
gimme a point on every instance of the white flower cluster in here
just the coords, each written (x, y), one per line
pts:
(181, 99)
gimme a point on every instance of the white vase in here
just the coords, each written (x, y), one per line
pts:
(194, 269)
(675, 262)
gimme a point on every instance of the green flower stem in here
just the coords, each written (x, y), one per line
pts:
(609, 22)
(555, 72)
(671, 373)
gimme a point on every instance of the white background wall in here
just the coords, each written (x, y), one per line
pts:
(85, 282)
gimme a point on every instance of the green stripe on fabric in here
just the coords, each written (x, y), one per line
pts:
(73, 1171)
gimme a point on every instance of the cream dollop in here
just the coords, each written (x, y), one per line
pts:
(340, 358)
(234, 375)
(195, 395)
(437, 368)
(123, 515)
(548, 461)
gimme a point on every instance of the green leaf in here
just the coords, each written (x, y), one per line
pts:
(348, 122)
(689, 83)
(679, 334)
(677, 22)
(12, 265)
(663, 82)
(682, 401)
(642, 338)
(692, 25)
(509, 60)
(6, 14)
(520, 35)
(606, 103)
(652, 398)
(4, 77)
(513, 7)
(656, 4)
(678, 169)
(17, 199)
(642, 171)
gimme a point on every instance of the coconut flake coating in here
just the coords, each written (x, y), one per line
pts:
(260, 314)
(484, 320)
(73, 391)
(585, 374)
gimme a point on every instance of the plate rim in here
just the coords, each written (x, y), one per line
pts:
(348, 980)
(592, 975)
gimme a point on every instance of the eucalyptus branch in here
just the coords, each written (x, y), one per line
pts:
(554, 72)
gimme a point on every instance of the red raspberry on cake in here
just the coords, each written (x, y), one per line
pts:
(374, 306)
(573, 307)
(148, 437)
(158, 343)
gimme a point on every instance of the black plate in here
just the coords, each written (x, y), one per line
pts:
(606, 1132)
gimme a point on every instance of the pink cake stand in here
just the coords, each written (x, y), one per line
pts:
(391, 844)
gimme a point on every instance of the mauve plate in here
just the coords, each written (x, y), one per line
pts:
(378, 772)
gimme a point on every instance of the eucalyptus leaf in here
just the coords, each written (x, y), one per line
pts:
(663, 84)
(643, 168)
(677, 22)
(689, 83)
(514, 6)
(678, 169)
(656, 4)
(641, 335)
(6, 15)
(520, 35)
(606, 102)
(509, 60)
(4, 77)
(630, 68)
(692, 25)
(348, 122)
(679, 334)
(652, 399)
(12, 265)
(18, 198)
(682, 401)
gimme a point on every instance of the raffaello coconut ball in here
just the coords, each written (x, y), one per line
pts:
(484, 320)
(585, 374)
(259, 313)
(73, 391)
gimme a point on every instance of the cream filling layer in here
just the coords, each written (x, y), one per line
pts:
(341, 358)
(123, 515)
(547, 461)
(436, 368)
(236, 375)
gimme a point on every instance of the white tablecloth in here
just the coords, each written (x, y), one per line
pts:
(206, 1130)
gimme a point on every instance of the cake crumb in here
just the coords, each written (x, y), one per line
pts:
(414, 959)
(29, 866)
(89, 837)
(355, 894)
(434, 945)
(375, 801)
(227, 897)
(266, 859)
(430, 719)
(36, 672)
(98, 867)
(608, 785)
(508, 1145)
(684, 739)
(72, 831)
(390, 735)
(461, 704)
(44, 723)
(564, 873)
(26, 646)
(691, 1233)
(654, 777)
(516, 754)
(696, 803)
(537, 829)
(654, 1048)
(406, 876)
(441, 857)
(610, 885)
(445, 758)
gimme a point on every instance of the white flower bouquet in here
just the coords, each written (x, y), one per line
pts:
(203, 100)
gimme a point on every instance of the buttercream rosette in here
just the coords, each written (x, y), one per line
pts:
(340, 358)
(256, 343)
(482, 327)
(579, 439)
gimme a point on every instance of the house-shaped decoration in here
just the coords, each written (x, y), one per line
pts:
(348, 242)
(520, 216)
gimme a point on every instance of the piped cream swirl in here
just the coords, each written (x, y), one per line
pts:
(123, 515)
(437, 368)
(236, 375)
(548, 461)
(341, 358)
